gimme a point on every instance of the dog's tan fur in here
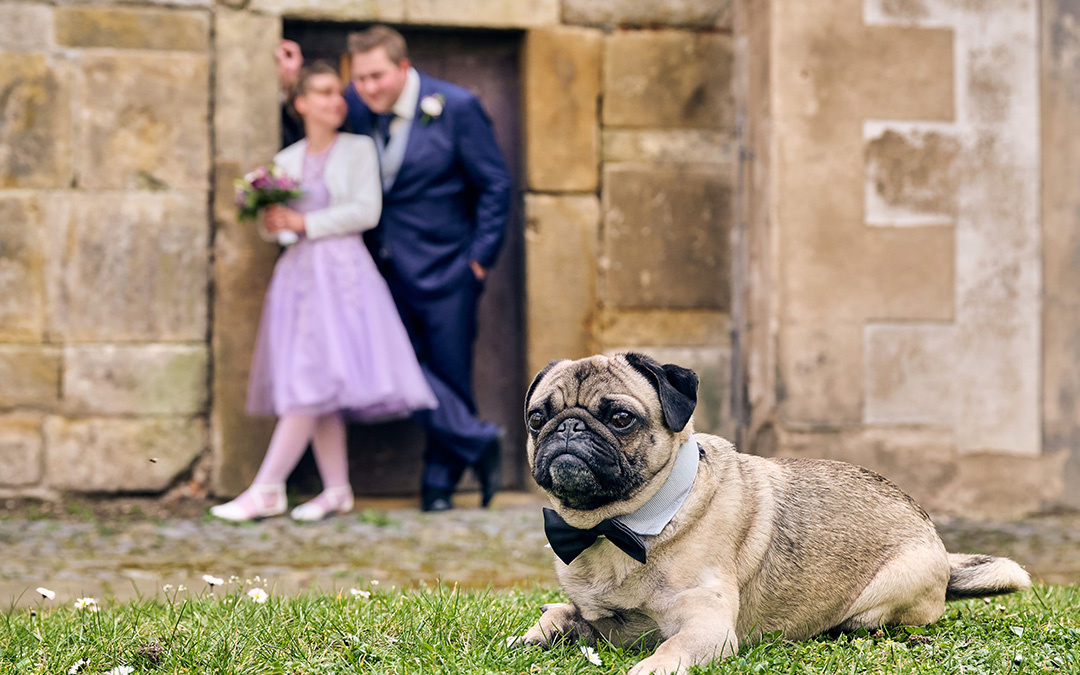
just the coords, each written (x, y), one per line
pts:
(760, 545)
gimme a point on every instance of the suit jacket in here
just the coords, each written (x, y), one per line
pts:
(352, 178)
(450, 201)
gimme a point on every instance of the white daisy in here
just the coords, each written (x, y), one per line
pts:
(87, 604)
(213, 581)
(357, 593)
(121, 670)
(591, 654)
(46, 593)
(77, 666)
(258, 595)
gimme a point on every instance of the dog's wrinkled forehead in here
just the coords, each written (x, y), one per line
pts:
(587, 382)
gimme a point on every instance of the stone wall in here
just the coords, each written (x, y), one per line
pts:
(104, 245)
(131, 296)
(629, 214)
(1060, 97)
(857, 219)
(894, 227)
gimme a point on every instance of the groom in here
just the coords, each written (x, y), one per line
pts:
(446, 198)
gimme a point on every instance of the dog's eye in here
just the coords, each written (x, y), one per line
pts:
(622, 419)
(536, 420)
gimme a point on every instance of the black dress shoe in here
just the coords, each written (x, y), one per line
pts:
(435, 500)
(489, 468)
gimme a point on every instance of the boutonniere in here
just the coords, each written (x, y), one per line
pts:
(431, 107)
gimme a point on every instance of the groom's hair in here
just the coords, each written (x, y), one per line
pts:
(379, 36)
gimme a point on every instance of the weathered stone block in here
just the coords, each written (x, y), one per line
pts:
(246, 112)
(130, 267)
(114, 455)
(1060, 154)
(490, 13)
(909, 378)
(151, 132)
(242, 267)
(666, 238)
(641, 88)
(35, 147)
(850, 272)
(140, 380)
(900, 73)
(681, 146)
(841, 65)
(997, 382)
(566, 61)
(561, 240)
(390, 11)
(20, 450)
(25, 27)
(122, 28)
(912, 176)
(246, 120)
(29, 376)
(906, 273)
(662, 328)
(707, 14)
(166, 3)
(922, 462)
(925, 464)
(22, 275)
(821, 375)
(990, 485)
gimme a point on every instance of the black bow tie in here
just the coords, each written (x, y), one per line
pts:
(568, 542)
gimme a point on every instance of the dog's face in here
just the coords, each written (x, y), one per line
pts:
(600, 429)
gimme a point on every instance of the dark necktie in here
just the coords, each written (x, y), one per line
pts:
(568, 542)
(382, 123)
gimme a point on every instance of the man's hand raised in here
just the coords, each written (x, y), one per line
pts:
(289, 61)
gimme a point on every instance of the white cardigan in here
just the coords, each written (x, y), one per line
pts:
(352, 177)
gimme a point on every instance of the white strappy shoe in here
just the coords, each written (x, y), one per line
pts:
(258, 501)
(330, 501)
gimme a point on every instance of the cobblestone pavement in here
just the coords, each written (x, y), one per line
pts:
(136, 549)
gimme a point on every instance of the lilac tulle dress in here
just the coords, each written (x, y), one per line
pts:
(330, 338)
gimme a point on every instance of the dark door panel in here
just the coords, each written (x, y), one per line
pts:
(386, 459)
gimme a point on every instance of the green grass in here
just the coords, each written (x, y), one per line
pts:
(442, 630)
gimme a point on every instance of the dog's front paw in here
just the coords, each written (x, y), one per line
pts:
(515, 641)
(558, 621)
(661, 664)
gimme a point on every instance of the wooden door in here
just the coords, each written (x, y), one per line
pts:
(387, 459)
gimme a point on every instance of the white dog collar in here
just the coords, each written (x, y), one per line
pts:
(655, 514)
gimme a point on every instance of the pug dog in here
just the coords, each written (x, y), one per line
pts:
(670, 537)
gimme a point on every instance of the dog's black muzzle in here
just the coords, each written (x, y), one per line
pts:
(578, 464)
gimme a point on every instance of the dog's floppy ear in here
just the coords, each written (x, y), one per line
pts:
(536, 381)
(676, 386)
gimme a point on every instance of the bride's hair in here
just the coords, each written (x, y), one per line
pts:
(303, 81)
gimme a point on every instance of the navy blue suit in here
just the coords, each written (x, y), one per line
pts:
(447, 206)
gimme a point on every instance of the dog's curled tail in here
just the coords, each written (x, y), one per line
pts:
(975, 576)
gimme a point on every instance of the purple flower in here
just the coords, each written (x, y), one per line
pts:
(265, 186)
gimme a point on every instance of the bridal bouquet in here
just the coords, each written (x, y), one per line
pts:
(263, 187)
